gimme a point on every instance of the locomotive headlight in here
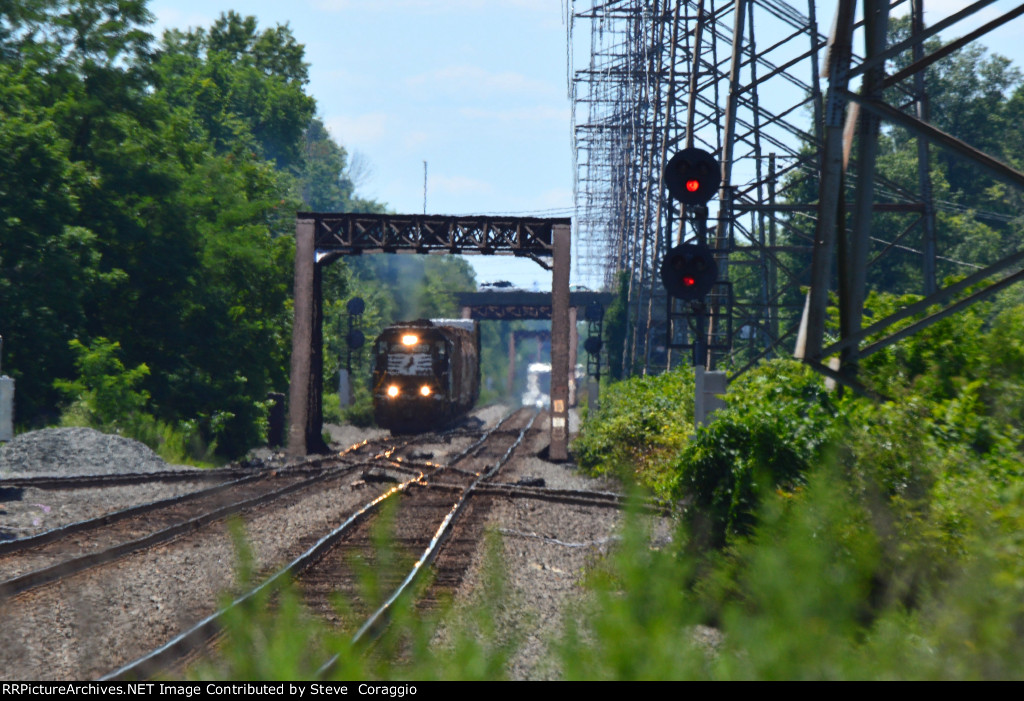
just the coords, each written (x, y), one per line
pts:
(393, 391)
(425, 390)
(410, 339)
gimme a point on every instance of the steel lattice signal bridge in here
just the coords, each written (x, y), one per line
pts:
(321, 238)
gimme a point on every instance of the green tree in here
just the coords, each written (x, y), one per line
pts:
(105, 392)
(976, 98)
(244, 87)
(73, 92)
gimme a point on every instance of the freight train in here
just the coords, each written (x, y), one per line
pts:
(426, 374)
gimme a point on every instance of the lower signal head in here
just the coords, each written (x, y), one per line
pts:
(689, 271)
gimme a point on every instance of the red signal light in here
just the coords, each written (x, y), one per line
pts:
(692, 176)
(689, 271)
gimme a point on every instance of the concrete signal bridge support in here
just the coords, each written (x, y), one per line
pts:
(321, 238)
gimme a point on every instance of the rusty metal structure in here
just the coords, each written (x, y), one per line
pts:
(744, 79)
(520, 304)
(321, 238)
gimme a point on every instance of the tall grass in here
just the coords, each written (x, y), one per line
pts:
(819, 537)
(273, 637)
(801, 598)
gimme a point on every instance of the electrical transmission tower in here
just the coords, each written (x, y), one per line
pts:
(741, 79)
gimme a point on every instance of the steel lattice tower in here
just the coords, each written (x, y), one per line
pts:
(741, 79)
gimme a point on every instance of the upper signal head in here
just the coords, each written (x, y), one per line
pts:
(692, 176)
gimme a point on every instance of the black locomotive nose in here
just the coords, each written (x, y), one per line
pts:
(427, 384)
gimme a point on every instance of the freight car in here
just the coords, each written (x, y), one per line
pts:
(426, 374)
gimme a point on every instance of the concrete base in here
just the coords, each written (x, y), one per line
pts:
(344, 389)
(6, 408)
(711, 386)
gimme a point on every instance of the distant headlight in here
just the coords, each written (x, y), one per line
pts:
(410, 339)
(425, 390)
(393, 391)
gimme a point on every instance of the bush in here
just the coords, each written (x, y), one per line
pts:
(642, 424)
(104, 397)
(799, 599)
(104, 394)
(777, 425)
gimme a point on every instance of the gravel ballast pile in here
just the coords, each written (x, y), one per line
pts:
(76, 451)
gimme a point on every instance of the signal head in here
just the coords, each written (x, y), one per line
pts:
(356, 306)
(689, 271)
(355, 338)
(692, 176)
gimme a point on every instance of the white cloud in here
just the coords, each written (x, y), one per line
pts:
(358, 130)
(540, 113)
(465, 78)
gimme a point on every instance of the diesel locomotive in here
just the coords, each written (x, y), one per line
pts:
(426, 374)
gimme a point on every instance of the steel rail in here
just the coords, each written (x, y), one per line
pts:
(567, 496)
(45, 575)
(89, 481)
(376, 623)
(12, 546)
(196, 636)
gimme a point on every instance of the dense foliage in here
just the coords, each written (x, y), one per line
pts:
(777, 425)
(828, 537)
(129, 213)
(147, 197)
(641, 425)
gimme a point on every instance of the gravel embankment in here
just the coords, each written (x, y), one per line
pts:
(65, 452)
(70, 452)
(546, 548)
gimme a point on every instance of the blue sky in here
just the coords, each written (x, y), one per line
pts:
(477, 88)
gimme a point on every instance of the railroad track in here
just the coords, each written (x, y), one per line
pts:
(424, 521)
(29, 562)
(439, 520)
(54, 579)
(353, 485)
